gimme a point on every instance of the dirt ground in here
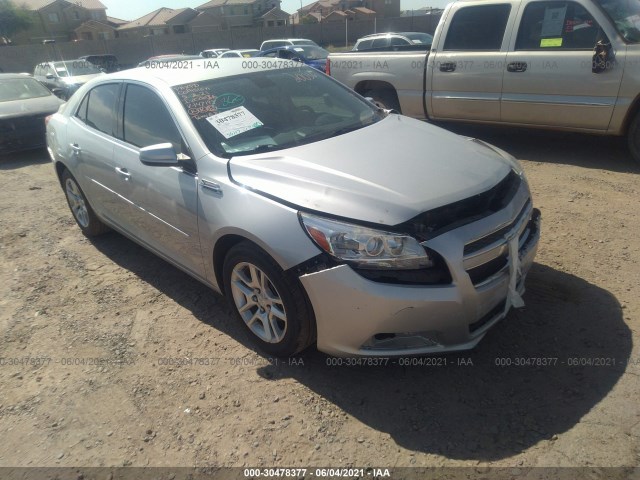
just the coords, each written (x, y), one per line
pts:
(109, 356)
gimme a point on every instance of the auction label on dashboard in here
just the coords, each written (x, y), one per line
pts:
(234, 122)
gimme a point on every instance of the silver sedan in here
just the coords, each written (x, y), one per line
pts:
(322, 218)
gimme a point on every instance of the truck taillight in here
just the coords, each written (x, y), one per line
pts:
(328, 67)
(46, 119)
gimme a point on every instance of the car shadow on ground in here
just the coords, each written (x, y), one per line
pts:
(13, 161)
(546, 146)
(535, 375)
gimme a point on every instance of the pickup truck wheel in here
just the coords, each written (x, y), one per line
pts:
(633, 138)
(82, 212)
(269, 303)
(387, 99)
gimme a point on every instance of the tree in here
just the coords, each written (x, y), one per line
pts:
(13, 18)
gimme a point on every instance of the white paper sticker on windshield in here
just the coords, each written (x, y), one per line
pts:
(553, 21)
(234, 122)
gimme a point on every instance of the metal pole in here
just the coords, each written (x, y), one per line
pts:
(346, 32)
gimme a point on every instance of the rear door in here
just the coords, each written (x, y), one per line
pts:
(467, 64)
(90, 133)
(548, 79)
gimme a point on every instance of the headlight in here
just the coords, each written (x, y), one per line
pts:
(366, 247)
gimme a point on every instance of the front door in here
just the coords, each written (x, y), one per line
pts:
(548, 78)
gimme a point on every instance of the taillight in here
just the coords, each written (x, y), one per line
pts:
(46, 119)
(328, 67)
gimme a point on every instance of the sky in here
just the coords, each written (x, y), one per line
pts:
(128, 10)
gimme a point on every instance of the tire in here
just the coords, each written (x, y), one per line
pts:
(82, 212)
(633, 138)
(255, 287)
(386, 99)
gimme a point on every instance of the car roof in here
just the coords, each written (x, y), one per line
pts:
(200, 70)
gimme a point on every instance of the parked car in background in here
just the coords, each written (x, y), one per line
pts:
(568, 66)
(161, 60)
(240, 53)
(24, 105)
(394, 41)
(321, 217)
(311, 55)
(284, 42)
(107, 63)
(65, 77)
(213, 52)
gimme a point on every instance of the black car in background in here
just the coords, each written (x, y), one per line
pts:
(24, 104)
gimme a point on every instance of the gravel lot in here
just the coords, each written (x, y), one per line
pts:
(66, 301)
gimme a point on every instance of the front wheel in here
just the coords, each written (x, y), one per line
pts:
(82, 212)
(385, 99)
(271, 305)
(633, 138)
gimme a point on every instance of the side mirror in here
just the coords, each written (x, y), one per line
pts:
(49, 76)
(160, 155)
(602, 57)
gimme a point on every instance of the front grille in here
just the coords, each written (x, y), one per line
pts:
(487, 240)
(481, 273)
(22, 132)
(435, 222)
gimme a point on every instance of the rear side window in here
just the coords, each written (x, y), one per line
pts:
(101, 107)
(147, 121)
(398, 41)
(556, 25)
(380, 42)
(478, 28)
(364, 44)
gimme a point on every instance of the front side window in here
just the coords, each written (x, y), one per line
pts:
(556, 25)
(398, 41)
(478, 28)
(147, 121)
(101, 107)
(380, 42)
(625, 15)
(272, 110)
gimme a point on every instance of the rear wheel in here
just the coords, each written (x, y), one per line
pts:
(633, 138)
(269, 303)
(80, 208)
(386, 99)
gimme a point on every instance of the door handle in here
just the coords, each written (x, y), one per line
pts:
(448, 67)
(75, 147)
(517, 67)
(123, 172)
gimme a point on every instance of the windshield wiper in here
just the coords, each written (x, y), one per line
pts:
(259, 149)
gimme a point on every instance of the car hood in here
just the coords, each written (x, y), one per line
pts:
(30, 106)
(385, 173)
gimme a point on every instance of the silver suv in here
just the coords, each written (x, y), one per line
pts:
(65, 77)
(322, 218)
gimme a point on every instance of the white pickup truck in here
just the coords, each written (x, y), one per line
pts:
(562, 65)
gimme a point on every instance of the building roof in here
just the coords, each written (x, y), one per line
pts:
(116, 21)
(339, 13)
(157, 18)
(277, 13)
(93, 25)
(363, 10)
(221, 3)
(39, 4)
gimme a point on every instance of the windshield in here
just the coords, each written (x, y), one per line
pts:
(76, 68)
(312, 53)
(272, 110)
(420, 38)
(626, 17)
(21, 89)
